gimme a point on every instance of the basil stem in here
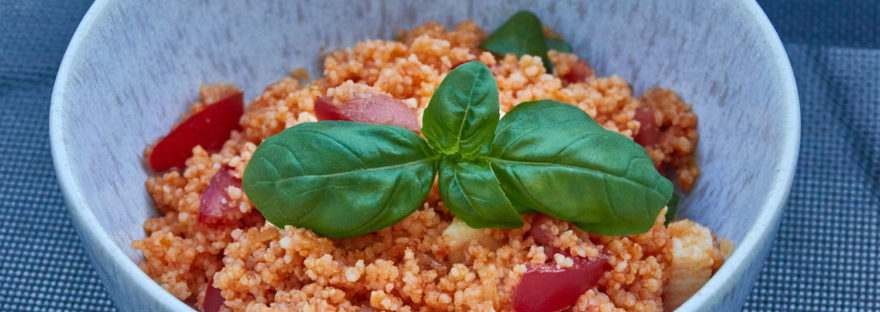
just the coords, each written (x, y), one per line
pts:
(553, 158)
(463, 112)
(522, 34)
(339, 178)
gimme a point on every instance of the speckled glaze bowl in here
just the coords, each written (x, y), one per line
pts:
(134, 66)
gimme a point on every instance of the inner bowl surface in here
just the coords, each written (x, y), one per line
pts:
(133, 67)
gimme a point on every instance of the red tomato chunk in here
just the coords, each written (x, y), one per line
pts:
(542, 236)
(215, 206)
(213, 299)
(546, 287)
(209, 128)
(649, 133)
(579, 72)
(377, 109)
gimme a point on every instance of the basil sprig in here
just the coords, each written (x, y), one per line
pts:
(523, 34)
(460, 123)
(344, 179)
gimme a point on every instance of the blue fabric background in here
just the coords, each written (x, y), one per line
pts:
(826, 257)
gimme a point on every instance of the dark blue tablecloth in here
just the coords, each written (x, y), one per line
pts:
(826, 257)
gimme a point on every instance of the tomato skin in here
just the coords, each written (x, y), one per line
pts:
(546, 287)
(213, 299)
(579, 72)
(649, 133)
(215, 206)
(541, 236)
(325, 110)
(209, 128)
(377, 109)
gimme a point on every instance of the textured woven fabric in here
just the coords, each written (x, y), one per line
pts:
(43, 266)
(826, 257)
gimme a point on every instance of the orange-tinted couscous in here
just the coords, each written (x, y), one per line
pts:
(428, 261)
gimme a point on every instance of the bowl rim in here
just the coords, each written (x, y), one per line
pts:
(83, 217)
(763, 230)
(758, 235)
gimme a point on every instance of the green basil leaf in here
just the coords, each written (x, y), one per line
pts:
(463, 112)
(339, 178)
(472, 193)
(553, 158)
(558, 45)
(671, 208)
(521, 34)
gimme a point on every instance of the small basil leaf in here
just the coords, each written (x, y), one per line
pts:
(463, 112)
(339, 178)
(471, 192)
(521, 34)
(553, 158)
(558, 45)
(671, 208)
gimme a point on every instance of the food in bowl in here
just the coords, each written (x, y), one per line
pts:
(391, 184)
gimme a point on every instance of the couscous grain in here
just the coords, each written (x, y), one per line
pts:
(429, 261)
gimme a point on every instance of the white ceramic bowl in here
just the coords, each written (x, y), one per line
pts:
(133, 66)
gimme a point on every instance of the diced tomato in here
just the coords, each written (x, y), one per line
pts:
(578, 72)
(541, 235)
(649, 133)
(213, 299)
(209, 128)
(215, 206)
(377, 109)
(545, 287)
(325, 110)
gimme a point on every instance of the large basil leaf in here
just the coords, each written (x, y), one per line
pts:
(463, 112)
(553, 158)
(521, 34)
(472, 193)
(339, 178)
